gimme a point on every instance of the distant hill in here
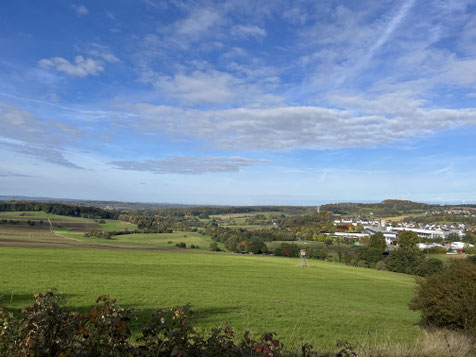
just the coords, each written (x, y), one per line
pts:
(385, 208)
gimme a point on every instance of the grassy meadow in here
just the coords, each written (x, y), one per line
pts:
(321, 305)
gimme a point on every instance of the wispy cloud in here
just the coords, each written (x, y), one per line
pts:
(245, 31)
(81, 67)
(25, 133)
(103, 52)
(389, 29)
(80, 9)
(43, 152)
(186, 165)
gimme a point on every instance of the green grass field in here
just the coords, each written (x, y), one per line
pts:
(321, 305)
(149, 240)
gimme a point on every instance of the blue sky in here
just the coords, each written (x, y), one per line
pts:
(238, 102)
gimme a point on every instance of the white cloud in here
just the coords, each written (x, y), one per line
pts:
(213, 87)
(102, 52)
(81, 67)
(80, 9)
(188, 165)
(198, 22)
(110, 15)
(208, 86)
(296, 15)
(287, 128)
(245, 31)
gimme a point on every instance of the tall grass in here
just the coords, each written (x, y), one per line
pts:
(431, 343)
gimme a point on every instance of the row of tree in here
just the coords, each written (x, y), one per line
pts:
(58, 208)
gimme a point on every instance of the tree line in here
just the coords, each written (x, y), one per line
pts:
(58, 208)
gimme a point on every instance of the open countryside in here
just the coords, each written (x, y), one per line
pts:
(330, 300)
(241, 178)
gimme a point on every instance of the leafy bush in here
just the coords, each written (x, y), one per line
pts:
(181, 245)
(469, 250)
(317, 253)
(471, 259)
(438, 250)
(362, 264)
(429, 266)
(381, 265)
(403, 261)
(47, 328)
(214, 247)
(287, 250)
(349, 257)
(448, 299)
(369, 255)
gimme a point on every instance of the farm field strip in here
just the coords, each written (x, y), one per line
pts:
(69, 232)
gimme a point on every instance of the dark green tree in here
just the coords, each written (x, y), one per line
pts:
(377, 241)
(256, 246)
(453, 237)
(408, 240)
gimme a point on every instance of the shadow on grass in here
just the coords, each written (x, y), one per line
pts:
(13, 302)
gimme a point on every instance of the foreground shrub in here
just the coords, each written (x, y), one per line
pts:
(448, 299)
(47, 328)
